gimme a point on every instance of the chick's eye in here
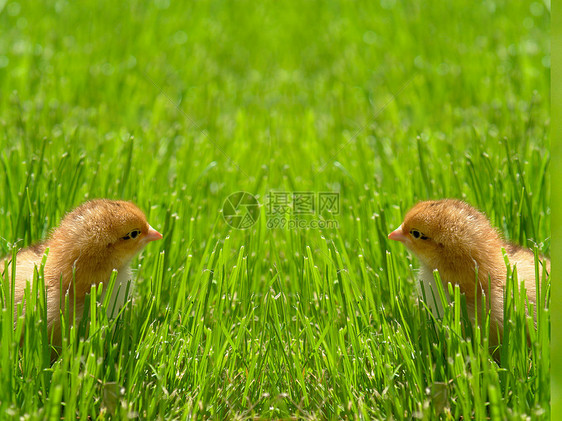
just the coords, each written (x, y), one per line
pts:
(416, 234)
(132, 234)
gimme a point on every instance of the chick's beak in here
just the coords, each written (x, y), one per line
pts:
(398, 235)
(152, 234)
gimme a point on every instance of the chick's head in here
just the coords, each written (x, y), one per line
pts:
(105, 233)
(445, 232)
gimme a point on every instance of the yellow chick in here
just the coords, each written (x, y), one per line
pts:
(457, 240)
(91, 241)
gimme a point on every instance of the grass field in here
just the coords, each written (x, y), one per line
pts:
(177, 106)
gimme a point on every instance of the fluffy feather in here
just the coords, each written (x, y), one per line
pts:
(457, 240)
(91, 241)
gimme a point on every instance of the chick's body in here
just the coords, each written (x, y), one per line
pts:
(91, 241)
(457, 240)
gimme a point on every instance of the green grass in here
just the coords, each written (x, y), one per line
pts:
(556, 251)
(176, 106)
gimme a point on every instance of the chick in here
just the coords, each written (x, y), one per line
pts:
(91, 241)
(457, 240)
